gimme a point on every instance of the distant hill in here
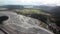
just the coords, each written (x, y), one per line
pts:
(42, 7)
(10, 7)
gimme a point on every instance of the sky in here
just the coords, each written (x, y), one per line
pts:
(30, 2)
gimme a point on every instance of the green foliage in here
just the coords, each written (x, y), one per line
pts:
(30, 11)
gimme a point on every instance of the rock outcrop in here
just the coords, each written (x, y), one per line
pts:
(19, 24)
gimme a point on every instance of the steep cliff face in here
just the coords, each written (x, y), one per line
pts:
(19, 24)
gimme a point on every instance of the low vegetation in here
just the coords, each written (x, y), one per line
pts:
(30, 11)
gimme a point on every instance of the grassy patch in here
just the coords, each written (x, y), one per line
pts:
(30, 11)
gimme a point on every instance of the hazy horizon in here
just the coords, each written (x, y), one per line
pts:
(30, 2)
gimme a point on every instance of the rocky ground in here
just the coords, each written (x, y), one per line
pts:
(19, 24)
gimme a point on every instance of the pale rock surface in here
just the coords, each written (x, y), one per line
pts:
(19, 24)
